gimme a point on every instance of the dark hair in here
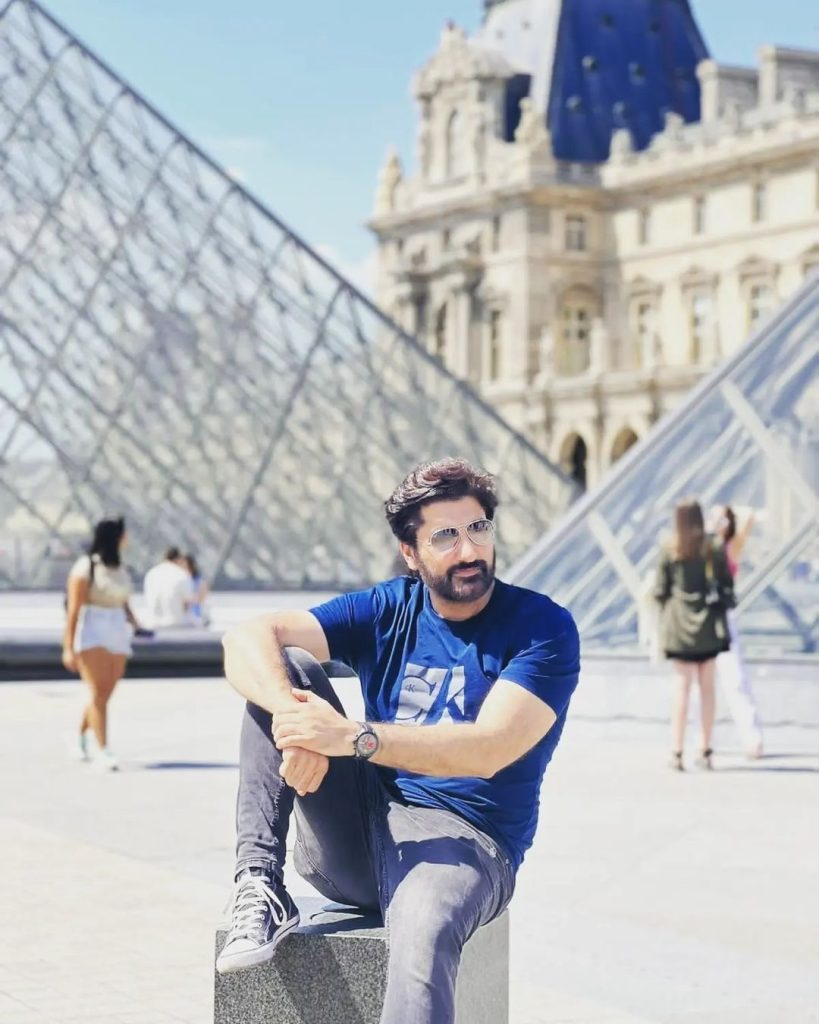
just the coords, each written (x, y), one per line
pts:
(193, 567)
(172, 554)
(689, 529)
(731, 528)
(105, 542)
(443, 480)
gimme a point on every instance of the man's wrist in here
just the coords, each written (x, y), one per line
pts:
(281, 701)
(351, 730)
(366, 742)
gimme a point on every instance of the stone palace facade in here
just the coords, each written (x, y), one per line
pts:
(585, 298)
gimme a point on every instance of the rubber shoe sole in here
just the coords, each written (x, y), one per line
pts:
(259, 955)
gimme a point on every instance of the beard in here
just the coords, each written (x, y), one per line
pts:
(461, 589)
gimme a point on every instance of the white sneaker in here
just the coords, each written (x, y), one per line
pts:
(105, 761)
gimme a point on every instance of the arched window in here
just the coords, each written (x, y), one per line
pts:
(573, 454)
(439, 350)
(455, 148)
(624, 440)
(578, 309)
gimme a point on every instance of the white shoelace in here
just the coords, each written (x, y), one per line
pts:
(253, 897)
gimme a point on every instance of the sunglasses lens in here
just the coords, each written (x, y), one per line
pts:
(444, 540)
(481, 531)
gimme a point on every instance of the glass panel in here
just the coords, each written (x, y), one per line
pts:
(170, 351)
(748, 437)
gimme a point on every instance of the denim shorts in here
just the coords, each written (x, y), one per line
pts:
(103, 627)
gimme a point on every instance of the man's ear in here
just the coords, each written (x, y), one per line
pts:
(409, 556)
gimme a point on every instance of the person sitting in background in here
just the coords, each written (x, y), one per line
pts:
(199, 590)
(167, 589)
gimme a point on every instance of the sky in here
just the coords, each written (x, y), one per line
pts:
(301, 100)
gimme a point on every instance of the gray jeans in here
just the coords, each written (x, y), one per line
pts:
(434, 876)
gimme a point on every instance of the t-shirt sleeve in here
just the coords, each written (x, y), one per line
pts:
(81, 569)
(549, 668)
(348, 622)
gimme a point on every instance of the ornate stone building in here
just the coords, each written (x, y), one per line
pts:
(600, 213)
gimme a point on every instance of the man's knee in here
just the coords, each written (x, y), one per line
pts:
(353, 889)
(302, 667)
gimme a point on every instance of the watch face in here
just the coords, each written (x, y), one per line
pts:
(366, 744)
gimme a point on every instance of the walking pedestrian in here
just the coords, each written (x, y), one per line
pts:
(97, 637)
(732, 672)
(694, 589)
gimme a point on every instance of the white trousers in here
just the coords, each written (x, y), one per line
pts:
(734, 681)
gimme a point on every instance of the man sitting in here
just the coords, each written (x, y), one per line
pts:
(425, 809)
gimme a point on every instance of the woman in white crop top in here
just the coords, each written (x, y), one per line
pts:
(97, 639)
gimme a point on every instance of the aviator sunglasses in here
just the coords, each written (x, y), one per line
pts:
(480, 532)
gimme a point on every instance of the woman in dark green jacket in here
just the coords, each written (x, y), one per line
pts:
(694, 589)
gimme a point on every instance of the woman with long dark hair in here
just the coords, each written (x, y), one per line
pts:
(97, 638)
(694, 589)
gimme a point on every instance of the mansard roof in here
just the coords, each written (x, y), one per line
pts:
(593, 66)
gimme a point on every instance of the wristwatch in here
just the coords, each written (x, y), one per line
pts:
(366, 742)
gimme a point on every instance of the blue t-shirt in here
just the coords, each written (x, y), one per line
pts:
(417, 668)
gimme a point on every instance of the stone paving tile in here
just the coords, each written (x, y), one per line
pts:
(9, 1004)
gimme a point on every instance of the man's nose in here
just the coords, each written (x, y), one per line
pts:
(468, 550)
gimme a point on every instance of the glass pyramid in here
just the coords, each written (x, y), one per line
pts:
(171, 351)
(747, 436)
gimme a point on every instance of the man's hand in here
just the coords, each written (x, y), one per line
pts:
(314, 724)
(303, 770)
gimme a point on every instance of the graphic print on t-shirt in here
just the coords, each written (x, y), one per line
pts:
(431, 695)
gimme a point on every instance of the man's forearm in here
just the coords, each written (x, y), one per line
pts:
(445, 750)
(254, 664)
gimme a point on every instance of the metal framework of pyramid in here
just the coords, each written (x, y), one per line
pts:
(171, 351)
(747, 436)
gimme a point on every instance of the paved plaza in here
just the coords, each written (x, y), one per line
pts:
(649, 898)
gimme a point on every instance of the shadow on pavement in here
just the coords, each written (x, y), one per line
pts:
(171, 766)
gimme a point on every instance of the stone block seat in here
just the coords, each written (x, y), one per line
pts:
(332, 970)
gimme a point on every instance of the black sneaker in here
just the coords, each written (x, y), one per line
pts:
(262, 914)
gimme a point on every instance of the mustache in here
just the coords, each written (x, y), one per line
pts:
(484, 568)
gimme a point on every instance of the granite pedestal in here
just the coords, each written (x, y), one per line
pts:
(333, 969)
